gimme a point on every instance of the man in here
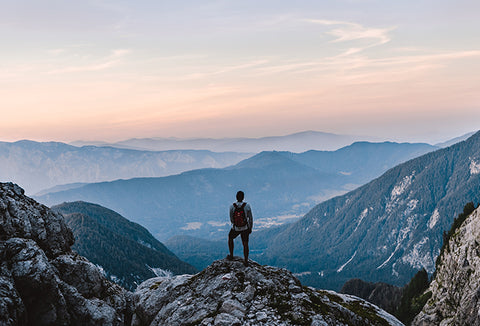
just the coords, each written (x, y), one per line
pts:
(242, 223)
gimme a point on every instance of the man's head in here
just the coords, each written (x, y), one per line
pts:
(240, 195)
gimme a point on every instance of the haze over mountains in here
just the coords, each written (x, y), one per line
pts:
(297, 142)
(281, 186)
(37, 166)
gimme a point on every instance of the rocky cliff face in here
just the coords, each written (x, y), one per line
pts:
(456, 287)
(227, 293)
(42, 282)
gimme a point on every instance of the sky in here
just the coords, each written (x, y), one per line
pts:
(110, 70)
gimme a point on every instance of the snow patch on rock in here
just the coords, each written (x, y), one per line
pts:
(386, 261)
(433, 219)
(401, 186)
(348, 261)
(160, 272)
(419, 257)
(474, 167)
(146, 244)
(360, 218)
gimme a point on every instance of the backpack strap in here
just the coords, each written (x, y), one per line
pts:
(243, 205)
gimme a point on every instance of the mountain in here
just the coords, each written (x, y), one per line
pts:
(42, 281)
(455, 140)
(385, 230)
(280, 186)
(126, 251)
(362, 161)
(454, 291)
(196, 202)
(227, 293)
(37, 166)
(297, 142)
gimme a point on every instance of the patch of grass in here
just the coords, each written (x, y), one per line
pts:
(366, 313)
(155, 285)
(333, 297)
(317, 305)
(419, 302)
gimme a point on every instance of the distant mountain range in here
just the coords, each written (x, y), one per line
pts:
(280, 186)
(297, 142)
(39, 166)
(455, 140)
(126, 251)
(385, 230)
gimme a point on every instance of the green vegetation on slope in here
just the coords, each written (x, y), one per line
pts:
(413, 298)
(127, 252)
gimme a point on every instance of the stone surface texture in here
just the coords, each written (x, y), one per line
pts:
(456, 287)
(42, 282)
(228, 293)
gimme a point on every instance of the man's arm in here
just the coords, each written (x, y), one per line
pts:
(231, 213)
(248, 211)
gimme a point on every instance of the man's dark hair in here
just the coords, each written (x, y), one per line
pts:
(240, 195)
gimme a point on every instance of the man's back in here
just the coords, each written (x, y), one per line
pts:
(248, 214)
(239, 212)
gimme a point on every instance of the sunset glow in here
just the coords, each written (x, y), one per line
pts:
(111, 70)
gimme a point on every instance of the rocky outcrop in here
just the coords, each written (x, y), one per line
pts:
(42, 282)
(455, 290)
(383, 295)
(228, 293)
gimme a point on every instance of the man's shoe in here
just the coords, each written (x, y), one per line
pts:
(229, 257)
(245, 263)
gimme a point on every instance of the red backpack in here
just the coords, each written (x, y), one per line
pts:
(239, 218)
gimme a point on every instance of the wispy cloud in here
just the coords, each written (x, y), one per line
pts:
(348, 31)
(110, 61)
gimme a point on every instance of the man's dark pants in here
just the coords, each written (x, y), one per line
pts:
(245, 235)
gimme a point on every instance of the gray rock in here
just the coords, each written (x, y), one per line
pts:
(23, 217)
(12, 309)
(228, 293)
(261, 316)
(234, 308)
(224, 319)
(42, 281)
(455, 298)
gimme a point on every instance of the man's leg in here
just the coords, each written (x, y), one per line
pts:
(245, 246)
(230, 243)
